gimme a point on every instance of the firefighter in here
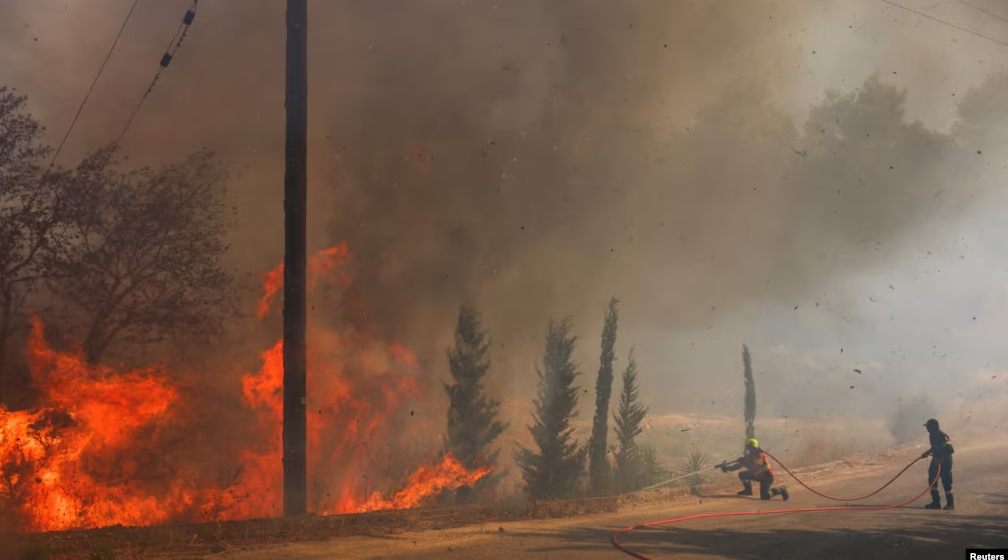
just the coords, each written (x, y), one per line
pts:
(758, 469)
(941, 454)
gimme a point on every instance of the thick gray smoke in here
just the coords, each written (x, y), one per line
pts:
(537, 157)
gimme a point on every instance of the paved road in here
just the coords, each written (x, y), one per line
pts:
(981, 518)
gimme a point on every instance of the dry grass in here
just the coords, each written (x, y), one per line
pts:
(199, 541)
(817, 451)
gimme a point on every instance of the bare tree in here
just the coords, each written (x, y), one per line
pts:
(140, 257)
(27, 210)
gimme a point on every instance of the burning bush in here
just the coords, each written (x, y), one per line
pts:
(102, 448)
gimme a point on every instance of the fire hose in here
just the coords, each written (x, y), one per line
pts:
(640, 556)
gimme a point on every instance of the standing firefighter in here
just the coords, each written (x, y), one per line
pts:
(758, 469)
(941, 455)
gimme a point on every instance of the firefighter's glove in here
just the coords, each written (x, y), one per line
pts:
(925, 454)
(724, 468)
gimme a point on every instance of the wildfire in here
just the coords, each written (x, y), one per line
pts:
(324, 265)
(51, 457)
(447, 475)
(92, 454)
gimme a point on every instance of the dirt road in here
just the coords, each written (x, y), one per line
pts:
(980, 519)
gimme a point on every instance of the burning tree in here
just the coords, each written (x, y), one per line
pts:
(636, 466)
(28, 210)
(554, 471)
(750, 394)
(598, 445)
(472, 424)
(123, 445)
(139, 257)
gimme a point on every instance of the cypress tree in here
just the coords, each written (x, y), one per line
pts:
(598, 468)
(472, 423)
(628, 426)
(750, 394)
(554, 469)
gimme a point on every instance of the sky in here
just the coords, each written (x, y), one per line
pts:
(540, 160)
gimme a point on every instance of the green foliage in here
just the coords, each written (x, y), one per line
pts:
(750, 394)
(694, 462)
(472, 423)
(471, 415)
(598, 445)
(629, 458)
(553, 471)
(907, 424)
(649, 469)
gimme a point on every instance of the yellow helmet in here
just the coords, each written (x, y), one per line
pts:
(751, 442)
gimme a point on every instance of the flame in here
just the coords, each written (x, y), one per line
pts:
(325, 264)
(91, 418)
(449, 474)
(83, 458)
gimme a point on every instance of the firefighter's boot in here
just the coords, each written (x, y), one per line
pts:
(779, 491)
(746, 489)
(950, 502)
(935, 500)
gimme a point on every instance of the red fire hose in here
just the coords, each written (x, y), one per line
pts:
(641, 556)
(810, 489)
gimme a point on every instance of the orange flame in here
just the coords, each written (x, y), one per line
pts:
(447, 475)
(323, 265)
(83, 458)
(91, 416)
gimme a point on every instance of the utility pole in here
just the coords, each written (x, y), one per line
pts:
(295, 463)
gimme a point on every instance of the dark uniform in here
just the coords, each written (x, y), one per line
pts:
(757, 469)
(941, 455)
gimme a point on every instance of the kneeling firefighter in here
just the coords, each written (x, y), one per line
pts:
(757, 469)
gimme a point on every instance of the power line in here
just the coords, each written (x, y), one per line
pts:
(173, 47)
(91, 89)
(979, 9)
(960, 28)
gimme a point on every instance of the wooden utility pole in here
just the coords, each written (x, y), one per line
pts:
(295, 463)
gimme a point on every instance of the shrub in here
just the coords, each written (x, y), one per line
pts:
(694, 462)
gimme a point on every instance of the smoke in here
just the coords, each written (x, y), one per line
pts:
(538, 157)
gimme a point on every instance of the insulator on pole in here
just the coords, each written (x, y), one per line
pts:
(190, 15)
(165, 60)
